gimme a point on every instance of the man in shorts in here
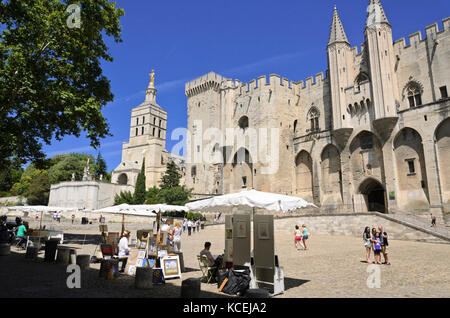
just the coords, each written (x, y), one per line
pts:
(384, 245)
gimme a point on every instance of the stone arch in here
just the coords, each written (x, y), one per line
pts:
(366, 160)
(331, 176)
(411, 169)
(241, 170)
(442, 141)
(304, 175)
(361, 78)
(122, 179)
(374, 195)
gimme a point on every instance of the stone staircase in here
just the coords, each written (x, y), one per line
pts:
(441, 230)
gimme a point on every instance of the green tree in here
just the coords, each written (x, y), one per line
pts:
(152, 196)
(139, 190)
(174, 196)
(10, 175)
(171, 177)
(66, 164)
(123, 197)
(101, 169)
(39, 189)
(33, 185)
(51, 79)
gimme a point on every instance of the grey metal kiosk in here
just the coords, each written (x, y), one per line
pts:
(266, 271)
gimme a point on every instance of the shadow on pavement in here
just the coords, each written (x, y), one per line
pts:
(27, 278)
(293, 282)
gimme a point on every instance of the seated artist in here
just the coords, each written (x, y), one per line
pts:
(214, 261)
(124, 250)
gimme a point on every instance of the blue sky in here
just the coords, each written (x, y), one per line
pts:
(244, 39)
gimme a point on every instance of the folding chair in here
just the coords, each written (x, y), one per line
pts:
(107, 251)
(207, 270)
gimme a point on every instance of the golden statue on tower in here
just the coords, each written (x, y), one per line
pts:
(152, 78)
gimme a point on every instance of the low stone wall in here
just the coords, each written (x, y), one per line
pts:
(13, 201)
(353, 225)
(92, 216)
(350, 225)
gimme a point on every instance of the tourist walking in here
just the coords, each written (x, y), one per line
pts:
(37, 216)
(189, 226)
(177, 236)
(367, 237)
(305, 236)
(377, 249)
(384, 245)
(298, 238)
(193, 226)
(197, 224)
(54, 216)
(184, 225)
(58, 216)
(73, 218)
(433, 221)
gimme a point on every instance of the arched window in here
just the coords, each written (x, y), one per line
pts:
(361, 79)
(313, 118)
(414, 93)
(243, 122)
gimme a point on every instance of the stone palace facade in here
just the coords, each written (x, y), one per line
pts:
(371, 135)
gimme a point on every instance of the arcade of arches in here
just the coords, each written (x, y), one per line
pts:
(364, 178)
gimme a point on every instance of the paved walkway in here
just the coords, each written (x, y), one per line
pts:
(332, 267)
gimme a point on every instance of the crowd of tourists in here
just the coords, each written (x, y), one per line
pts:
(376, 242)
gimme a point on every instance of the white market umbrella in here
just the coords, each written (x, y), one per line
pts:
(253, 199)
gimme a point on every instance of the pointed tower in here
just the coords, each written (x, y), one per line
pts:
(339, 58)
(380, 52)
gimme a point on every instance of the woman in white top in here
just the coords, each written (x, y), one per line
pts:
(189, 226)
(177, 231)
(124, 250)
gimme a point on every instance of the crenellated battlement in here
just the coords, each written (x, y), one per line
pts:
(203, 83)
(417, 41)
(357, 51)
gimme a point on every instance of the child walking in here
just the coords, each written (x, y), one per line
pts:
(298, 237)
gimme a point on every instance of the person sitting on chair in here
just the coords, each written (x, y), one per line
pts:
(213, 261)
(21, 230)
(124, 250)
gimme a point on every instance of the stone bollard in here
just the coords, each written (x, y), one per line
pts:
(190, 288)
(63, 256)
(32, 252)
(73, 256)
(5, 249)
(84, 261)
(257, 293)
(144, 278)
